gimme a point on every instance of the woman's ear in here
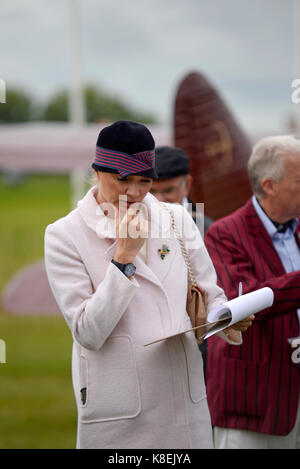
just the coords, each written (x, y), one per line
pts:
(94, 178)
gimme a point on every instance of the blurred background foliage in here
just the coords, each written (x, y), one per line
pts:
(19, 107)
(100, 106)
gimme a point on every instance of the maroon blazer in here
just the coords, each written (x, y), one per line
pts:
(254, 386)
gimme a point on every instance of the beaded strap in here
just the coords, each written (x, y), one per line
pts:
(182, 246)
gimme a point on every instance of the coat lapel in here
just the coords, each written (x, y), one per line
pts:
(262, 240)
(161, 239)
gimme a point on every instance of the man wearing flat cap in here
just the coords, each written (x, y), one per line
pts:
(174, 182)
(173, 185)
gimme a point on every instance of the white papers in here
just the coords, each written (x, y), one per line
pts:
(232, 312)
(239, 308)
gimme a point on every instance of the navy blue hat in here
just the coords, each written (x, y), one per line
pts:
(126, 147)
(171, 162)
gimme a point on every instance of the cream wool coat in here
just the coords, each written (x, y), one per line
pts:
(136, 396)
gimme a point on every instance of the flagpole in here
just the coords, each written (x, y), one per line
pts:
(76, 101)
(76, 92)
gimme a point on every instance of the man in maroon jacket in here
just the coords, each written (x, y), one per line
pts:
(253, 390)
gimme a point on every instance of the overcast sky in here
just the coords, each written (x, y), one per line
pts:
(141, 50)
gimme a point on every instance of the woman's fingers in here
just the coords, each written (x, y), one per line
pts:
(133, 224)
(123, 220)
(138, 227)
(244, 324)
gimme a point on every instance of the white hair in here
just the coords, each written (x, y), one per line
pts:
(266, 160)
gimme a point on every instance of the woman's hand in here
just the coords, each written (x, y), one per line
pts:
(131, 232)
(243, 325)
(233, 332)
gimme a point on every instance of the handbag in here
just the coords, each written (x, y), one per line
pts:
(196, 297)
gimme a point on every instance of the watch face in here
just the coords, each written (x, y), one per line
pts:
(129, 270)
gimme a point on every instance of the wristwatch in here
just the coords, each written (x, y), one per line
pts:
(127, 269)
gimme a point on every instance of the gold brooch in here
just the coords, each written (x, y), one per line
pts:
(163, 251)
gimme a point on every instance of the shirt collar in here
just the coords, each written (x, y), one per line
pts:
(185, 202)
(267, 222)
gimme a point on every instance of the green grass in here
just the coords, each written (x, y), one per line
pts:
(37, 406)
(25, 212)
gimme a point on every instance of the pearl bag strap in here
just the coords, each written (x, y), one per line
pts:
(182, 246)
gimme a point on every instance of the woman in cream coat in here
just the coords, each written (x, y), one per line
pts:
(129, 395)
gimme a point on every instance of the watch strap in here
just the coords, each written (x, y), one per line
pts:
(118, 264)
(122, 267)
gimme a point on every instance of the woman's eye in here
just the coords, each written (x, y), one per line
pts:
(122, 180)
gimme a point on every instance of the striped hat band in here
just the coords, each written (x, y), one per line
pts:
(124, 163)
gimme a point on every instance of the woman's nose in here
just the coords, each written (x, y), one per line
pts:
(133, 191)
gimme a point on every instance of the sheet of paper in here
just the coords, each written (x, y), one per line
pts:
(231, 312)
(245, 305)
(240, 308)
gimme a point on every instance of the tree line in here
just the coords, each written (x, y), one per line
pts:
(100, 106)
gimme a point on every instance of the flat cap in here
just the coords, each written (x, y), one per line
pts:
(171, 162)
